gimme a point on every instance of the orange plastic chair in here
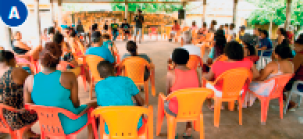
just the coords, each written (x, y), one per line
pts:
(190, 102)
(81, 60)
(4, 126)
(221, 58)
(233, 82)
(134, 68)
(125, 126)
(276, 93)
(50, 124)
(194, 61)
(92, 62)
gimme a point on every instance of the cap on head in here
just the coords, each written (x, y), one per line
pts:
(242, 27)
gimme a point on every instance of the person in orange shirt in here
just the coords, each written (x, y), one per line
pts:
(175, 29)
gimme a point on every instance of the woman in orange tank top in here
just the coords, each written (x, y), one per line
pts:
(181, 77)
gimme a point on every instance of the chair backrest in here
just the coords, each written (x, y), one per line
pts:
(4, 126)
(92, 62)
(221, 58)
(185, 28)
(134, 68)
(190, 101)
(122, 121)
(49, 121)
(280, 82)
(233, 81)
(194, 61)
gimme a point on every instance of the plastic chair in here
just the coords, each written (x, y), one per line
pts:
(294, 90)
(134, 68)
(50, 124)
(153, 31)
(125, 126)
(194, 61)
(4, 126)
(221, 58)
(81, 60)
(190, 102)
(92, 62)
(263, 60)
(233, 83)
(276, 93)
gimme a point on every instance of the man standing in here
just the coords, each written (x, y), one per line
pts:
(125, 27)
(139, 19)
(114, 27)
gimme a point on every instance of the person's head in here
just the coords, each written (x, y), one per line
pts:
(72, 34)
(180, 56)
(242, 28)
(139, 11)
(79, 22)
(131, 47)
(17, 35)
(125, 21)
(226, 25)
(58, 38)
(234, 51)
(115, 20)
(187, 38)
(95, 27)
(204, 25)
(249, 50)
(232, 26)
(219, 33)
(300, 36)
(106, 22)
(105, 37)
(221, 27)
(213, 23)
(66, 32)
(282, 32)
(256, 31)
(105, 69)
(264, 34)
(96, 39)
(299, 45)
(193, 23)
(50, 55)
(176, 22)
(54, 24)
(283, 52)
(7, 57)
(51, 31)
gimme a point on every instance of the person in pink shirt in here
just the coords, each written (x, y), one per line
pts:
(174, 30)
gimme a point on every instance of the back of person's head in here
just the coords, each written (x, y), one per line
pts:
(6, 56)
(194, 23)
(300, 36)
(105, 69)
(106, 36)
(226, 25)
(283, 51)
(234, 51)
(176, 21)
(265, 32)
(180, 56)
(220, 44)
(232, 25)
(204, 24)
(58, 38)
(96, 37)
(50, 55)
(251, 49)
(187, 38)
(131, 47)
(214, 22)
(219, 33)
(73, 34)
(283, 32)
(94, 27)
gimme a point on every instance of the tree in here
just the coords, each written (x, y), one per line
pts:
(147, 7)
(275, 10)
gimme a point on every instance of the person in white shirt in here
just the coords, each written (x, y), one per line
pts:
(232, 33)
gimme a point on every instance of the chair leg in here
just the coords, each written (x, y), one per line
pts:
(146, 92)
(201, 127)
(231, 105)
(91, 88)
(171, 127)
(287, 101)
(299, 100)
(281, 106)
(240, 111)
(264, 110)
(95, 130)
(217, 111)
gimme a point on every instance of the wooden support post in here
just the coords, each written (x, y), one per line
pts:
(288, 13)
(235, 12)
(59, 13)
(37, 20)
(126, 11)
(51, 2)
(184, 8)
(7, 44)
(204, 12)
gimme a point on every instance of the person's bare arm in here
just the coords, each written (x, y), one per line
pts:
(139, 100)
(27, 89)
(169, 78)
(263, 48)
(19, 75)
(266, 72)
(209, 76)
(255, 72)
(69, 81)
(298, 60)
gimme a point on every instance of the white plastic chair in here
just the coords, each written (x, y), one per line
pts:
(294, 90)
(264, 59)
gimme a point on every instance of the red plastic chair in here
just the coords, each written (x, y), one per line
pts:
(153, 31)
(276, 93)
(4, 126)
(50, 124)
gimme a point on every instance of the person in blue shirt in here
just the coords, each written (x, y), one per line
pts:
(97, 48)
(116, 90)
(265, 44)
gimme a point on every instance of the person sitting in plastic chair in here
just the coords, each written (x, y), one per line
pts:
(116, 90)
(114, 27)
(181, 77)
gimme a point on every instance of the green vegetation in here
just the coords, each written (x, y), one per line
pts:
(147, 7)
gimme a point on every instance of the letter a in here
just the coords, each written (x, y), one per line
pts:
(14, 13)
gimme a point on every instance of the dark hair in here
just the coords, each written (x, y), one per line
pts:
(226, 25)
(265, 32)
(213, 22)
(94, 27)
(259, 29)
(283, 32)
(219, 45)
(131, 47)
(105, 69)
(50, 55)
(96, 36)
(284, 51)
(58, 38)
(106, 36)
(176, 21)
(6, 56)
(73, 34)
(125, 19)
(139, 10)
(193, 23)
(204, 24)
(300, 36)
(234, 51)
(251, 49)
(180, 56)
(232, 25)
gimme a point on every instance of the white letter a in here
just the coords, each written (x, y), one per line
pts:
(14, 13)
